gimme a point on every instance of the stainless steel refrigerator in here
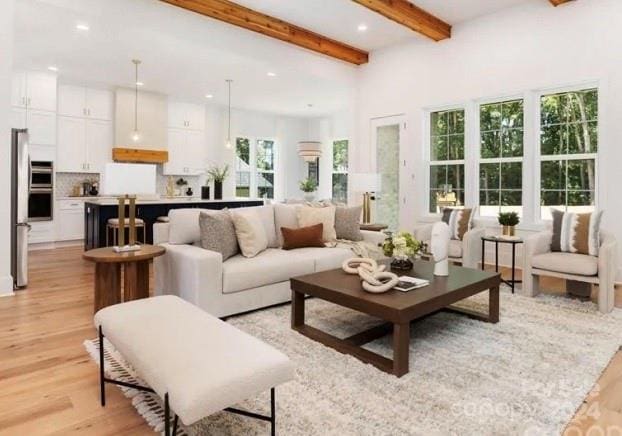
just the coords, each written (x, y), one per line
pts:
(20, 191)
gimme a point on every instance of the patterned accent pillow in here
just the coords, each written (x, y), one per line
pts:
(576, 232)
(309, 216)
(347, 223)
(459, 221)
(218, 233)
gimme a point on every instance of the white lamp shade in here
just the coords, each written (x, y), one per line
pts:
(366, 182)
(131, 179)
(309, 150)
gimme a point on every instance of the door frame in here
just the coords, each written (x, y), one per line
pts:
(391, 120)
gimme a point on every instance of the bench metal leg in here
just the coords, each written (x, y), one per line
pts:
(167, 422)
(102, 380)
(272, 413)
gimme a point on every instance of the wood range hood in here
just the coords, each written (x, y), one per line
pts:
(139, 155)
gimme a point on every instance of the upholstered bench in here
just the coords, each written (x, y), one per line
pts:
(195, 362)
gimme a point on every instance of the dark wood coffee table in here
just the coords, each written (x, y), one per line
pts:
(397, 309)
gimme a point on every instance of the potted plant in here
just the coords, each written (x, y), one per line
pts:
(508, 220)
(402, 247)
(308, 186)
(217, 175)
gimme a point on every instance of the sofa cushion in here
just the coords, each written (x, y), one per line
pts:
(266, 215)
(569, 263)
(576, 232)
(455, 248)
(184, 225)
(218, 233)
(303, 237)
(310, 216)
(268, 267)
(285, 215)
(347, 223)
(326, 258)
(251, 234)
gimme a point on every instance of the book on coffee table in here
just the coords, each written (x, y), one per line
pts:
(408, 283)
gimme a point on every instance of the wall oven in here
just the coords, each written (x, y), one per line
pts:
(41, 191)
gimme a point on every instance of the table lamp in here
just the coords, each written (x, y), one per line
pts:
(368, 184)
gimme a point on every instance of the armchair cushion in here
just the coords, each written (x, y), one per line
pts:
(455, 248)
(576, 232)
(459, 221)
(568, 263)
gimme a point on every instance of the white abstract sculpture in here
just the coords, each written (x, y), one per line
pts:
(374, 277)
(439, 247)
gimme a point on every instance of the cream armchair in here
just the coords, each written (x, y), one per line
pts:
(601, 270)
(467, 252)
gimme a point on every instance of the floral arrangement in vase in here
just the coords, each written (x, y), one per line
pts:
(402, 247)
(308, 186)
(217, 175)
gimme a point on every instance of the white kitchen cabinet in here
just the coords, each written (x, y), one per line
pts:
(84, 145)
(41, 91)
(41, 127)
(17, 118)
(77, 101)
(41, 231)
(18, 90)
(186, 116)
(71, 150)
(186, 153)
(98, 145)
(70, 222)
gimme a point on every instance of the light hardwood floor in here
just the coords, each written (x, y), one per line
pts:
(49, 385)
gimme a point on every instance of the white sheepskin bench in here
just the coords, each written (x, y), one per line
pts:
(195, 362)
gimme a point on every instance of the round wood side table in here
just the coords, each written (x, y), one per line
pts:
(108, 273)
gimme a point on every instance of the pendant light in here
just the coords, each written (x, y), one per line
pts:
(136, 135)
(228, 145)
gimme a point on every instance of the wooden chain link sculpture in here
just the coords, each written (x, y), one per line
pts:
(374, 277)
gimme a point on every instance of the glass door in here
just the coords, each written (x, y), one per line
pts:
(387, 134)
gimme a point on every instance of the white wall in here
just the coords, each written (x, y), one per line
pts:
(529, 47)
(6, 58)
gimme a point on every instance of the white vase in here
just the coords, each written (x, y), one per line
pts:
(309, 196)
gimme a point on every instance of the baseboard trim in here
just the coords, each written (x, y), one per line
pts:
(6, 286)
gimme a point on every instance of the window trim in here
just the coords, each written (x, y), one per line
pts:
(254, 171)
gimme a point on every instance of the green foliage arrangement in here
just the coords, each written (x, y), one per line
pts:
(217, 174)
(308, 185)
(508, 218)
(401, 245)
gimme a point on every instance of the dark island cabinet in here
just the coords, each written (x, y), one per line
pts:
(97, 214)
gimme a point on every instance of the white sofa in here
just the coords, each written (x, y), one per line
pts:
(238, 284)
(467, 252)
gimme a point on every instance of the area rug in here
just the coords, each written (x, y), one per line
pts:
(526, 375)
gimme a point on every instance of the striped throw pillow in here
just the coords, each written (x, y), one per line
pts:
(459, 221)
(576, 232)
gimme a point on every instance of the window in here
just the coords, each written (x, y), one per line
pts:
(568, 147)
(340, 171)
(254, 167)
(446, 159)
(501, 156)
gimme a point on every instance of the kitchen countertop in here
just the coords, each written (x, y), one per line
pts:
(174, 200)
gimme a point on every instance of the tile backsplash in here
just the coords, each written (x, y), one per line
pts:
(66, 181)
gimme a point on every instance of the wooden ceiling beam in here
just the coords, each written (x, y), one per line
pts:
(411, 16)
(232, 13)
(559, 2)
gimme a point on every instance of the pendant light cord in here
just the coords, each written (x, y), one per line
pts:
(136, 62)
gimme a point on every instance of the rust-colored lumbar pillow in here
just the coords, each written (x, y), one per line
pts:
(303, 237)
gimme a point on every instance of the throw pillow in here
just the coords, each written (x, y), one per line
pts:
(266, 215)
(347, 223)
(309, 216)
(285, 216)
(303, 237)
(459, 221)
(576, 232)
(218, 233)
(251, 235)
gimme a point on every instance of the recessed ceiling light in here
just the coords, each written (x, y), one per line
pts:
(271, 74)
(82, 27)
(209, 96)
(362, 27)
(53, 68)
(139, 83)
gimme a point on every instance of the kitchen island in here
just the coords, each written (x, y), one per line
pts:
(98, 212)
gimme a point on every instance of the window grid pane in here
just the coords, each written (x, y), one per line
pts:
(569, 127)
(242, 168)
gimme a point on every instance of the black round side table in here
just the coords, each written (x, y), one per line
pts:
(501, 240)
